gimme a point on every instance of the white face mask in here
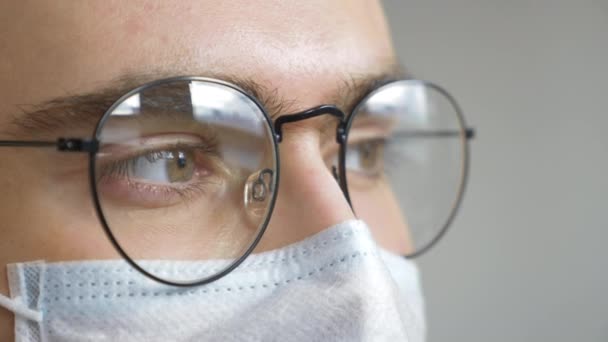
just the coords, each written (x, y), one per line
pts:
(334, 286)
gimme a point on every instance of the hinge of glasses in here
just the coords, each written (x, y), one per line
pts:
(470, 133)
(341, 133)
(76, 145)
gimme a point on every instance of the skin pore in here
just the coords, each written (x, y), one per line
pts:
(301, 52)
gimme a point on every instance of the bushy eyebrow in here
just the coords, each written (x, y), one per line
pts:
(83, 111)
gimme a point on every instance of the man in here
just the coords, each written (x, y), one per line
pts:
(63, 65)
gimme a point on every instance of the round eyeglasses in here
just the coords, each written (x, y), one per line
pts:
(187, 169)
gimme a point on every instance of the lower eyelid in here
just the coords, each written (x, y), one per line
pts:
(149, 195)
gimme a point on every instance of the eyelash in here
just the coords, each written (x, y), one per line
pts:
(119, 170)
(391, 157)
(121, 166)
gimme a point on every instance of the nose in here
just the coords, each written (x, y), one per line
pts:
(309, 197)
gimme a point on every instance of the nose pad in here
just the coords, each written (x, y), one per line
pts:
(334, 172)
(257, 194)
(309, 200)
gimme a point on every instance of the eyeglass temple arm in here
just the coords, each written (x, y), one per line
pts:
(88, 145)
(62, 144)
(469, 134)
(341, 134)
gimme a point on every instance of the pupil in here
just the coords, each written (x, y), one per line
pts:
(180, 167)
(367, 151)
(181, 160)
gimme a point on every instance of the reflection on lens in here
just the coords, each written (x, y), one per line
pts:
(174, 162)
(405, 162)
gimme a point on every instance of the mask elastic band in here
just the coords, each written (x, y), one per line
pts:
(16, 305)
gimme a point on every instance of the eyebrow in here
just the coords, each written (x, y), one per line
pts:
(85, 110)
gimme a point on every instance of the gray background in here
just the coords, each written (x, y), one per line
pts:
(526, 257)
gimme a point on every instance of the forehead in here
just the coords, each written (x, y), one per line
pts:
(51, 49)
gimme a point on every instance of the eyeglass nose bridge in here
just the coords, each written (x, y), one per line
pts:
(339, 175)
(311, 113)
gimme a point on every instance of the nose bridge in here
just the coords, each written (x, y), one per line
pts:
(309, 198)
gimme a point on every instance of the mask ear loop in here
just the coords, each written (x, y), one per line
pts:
(17, 306)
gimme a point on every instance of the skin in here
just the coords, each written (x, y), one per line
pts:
(302, 49)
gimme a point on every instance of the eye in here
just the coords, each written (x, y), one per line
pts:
(366, 157)
(160, 171)
(172, 166)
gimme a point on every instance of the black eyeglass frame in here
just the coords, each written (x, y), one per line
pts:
(91, 146)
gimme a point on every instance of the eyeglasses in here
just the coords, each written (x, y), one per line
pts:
(187, 169)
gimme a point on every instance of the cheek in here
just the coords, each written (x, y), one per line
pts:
(213, 227)
(43, 219)
(378, 207)
(47, 215)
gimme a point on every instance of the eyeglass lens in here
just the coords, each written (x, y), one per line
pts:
(185, 171)
(406, 154)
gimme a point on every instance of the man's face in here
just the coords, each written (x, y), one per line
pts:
(302, 53)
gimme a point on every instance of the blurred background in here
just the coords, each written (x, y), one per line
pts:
(525, 259)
